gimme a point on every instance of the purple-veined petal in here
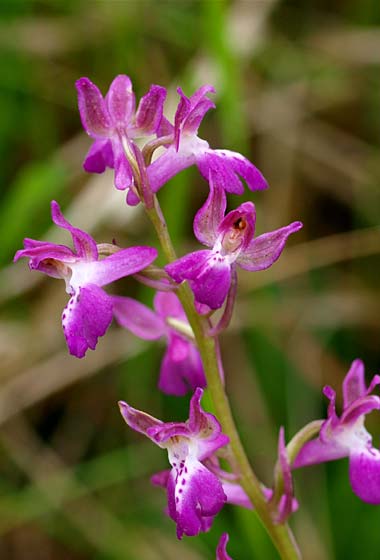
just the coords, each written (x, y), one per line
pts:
(193, 496)
(365, 474)
(84, 244)
(137, 419)
(167, 304)
(208, 218)
(123, 171)
(167, 165)
(138, 318)
(92, 108)
(86, 317)
(209, 276)
(120, 101)
(149, 111)
(221, 552)
(354, 385)
(180, 377)
(120, 264)
(264, 250)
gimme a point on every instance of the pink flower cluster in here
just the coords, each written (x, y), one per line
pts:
(196, 485)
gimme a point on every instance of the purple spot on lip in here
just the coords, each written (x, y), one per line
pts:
(180, 490)
(183, 481)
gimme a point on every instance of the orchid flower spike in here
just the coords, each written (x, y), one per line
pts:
(346, 436)
(187, 149)
(231, 239)
(221, 552)
(181, 368)
(194, 493)
(88, 313)
(113, 123)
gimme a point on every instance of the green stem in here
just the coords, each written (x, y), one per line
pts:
(280, 534)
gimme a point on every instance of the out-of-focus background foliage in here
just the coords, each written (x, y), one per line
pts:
(298, 92)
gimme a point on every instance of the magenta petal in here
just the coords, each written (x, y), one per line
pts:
(365, 475)
(167, 304)
(149, 111)
(138, 318)
(209, 162)
(138, 420)
(178, 377)
(183, 109)
(132, 198)
(205, 427)
(209, 217)
(48, 252)
(316, 451)
(201, 93)
(123, 171)
(200, 497)
(161, 478)
(209, 276)
(92, 109)
(167, 165)
(264, 250)
(84, 244)
(99, 156)
(123, 263)
(86, 317)
(121, 100)
(354, 385)
(243, 167)
(221, 552)
(236, 495)
(195, 117)
(360, 407)
(229, 167)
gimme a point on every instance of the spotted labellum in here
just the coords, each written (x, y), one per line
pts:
(195, 494)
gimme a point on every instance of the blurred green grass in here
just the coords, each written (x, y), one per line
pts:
(300, 99)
